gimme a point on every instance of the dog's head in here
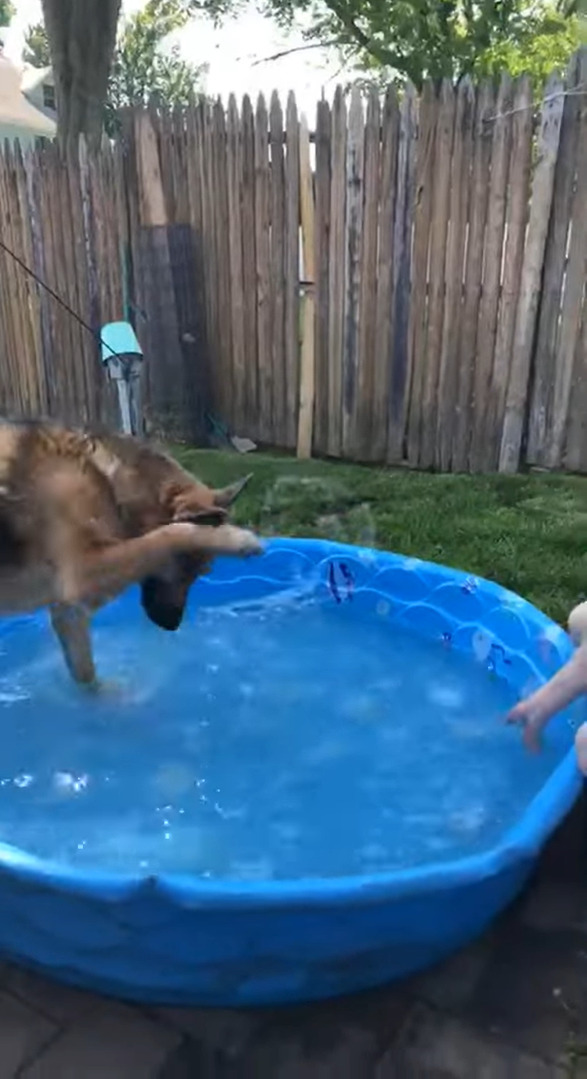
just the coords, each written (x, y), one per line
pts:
(164, 596)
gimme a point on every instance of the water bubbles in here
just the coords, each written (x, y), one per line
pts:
(23, 781)
(383, 608)
(468, 821)
(446, 696)
(68, 783)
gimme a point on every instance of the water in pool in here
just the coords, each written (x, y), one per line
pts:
(277, 740)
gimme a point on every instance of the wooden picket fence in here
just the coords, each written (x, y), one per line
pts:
(404, 285)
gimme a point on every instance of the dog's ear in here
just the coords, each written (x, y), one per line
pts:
(225, 496)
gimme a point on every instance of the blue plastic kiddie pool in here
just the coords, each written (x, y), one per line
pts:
(176, 933)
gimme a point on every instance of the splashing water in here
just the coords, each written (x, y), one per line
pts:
(275, 740)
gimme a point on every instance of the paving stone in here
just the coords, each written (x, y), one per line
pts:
(286, 1055)
(553, 905)
(23, 1034)
(435, 1046)
(57, 1002)
(193, 1060)
(534, 992)
(114, 1041)
(451, 984)
(565, 854)
(225, 1029)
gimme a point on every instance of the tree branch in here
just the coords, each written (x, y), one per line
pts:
(334, 43)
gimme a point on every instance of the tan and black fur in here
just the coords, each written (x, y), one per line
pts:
(83, 516)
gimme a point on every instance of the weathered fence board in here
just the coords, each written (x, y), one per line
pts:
(492, 263)
(527, 310)
(384, 321)
(404, 285)
(455, 254)
(515, 229)
(553, 274)
(436, 273)
(322, 184)
(477, 210)
(399, 393)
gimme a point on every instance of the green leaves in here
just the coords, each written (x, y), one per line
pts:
(36, 50)
(395, 40)
(143, 69)
(6, 12)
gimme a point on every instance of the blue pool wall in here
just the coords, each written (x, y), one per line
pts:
(179, 940)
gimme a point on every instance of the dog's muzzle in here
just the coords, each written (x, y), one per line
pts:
(160, 604)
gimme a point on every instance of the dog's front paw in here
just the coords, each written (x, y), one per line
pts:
(244, 543)
(108, 689)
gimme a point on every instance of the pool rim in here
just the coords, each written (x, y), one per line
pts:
(521, 842)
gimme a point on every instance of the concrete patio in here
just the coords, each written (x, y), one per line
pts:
(512, 1006)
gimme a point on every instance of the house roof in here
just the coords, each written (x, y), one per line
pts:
(15, 110)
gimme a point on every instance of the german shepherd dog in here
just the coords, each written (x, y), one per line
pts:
(82, 516)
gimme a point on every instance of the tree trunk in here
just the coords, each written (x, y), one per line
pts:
(82, 36)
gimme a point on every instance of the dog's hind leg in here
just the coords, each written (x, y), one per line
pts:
(72, 627)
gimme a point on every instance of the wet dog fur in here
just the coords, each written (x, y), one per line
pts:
(83, 516)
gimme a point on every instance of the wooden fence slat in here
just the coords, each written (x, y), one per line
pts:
(31, 167)
(367, 313)
(56, 391)
(292, 272)
(542, 189)
(352, 274)
(62, 345)
(336, 305)
(428, 452)
(322, 184)
(517, 215)
(455, 253)
(250, 271)
(220, 199)
(235, 239)
(30, 346)
(85, 345)
(382, 359)
(543, 365)
(401, 350)
(195, 217)
(180, 169)
(152, 202)
(263, 251)
(158, 252)
(12, 284)
(492, 262)
(477, 210)
(208, 190)
(307, 372)
(576, 445)
(277, 272)
(576, 275)
(425, 180)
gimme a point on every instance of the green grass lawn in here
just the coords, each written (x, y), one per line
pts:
(527, 532)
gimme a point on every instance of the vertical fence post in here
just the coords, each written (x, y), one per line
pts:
(307, 373)
(526, 314)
